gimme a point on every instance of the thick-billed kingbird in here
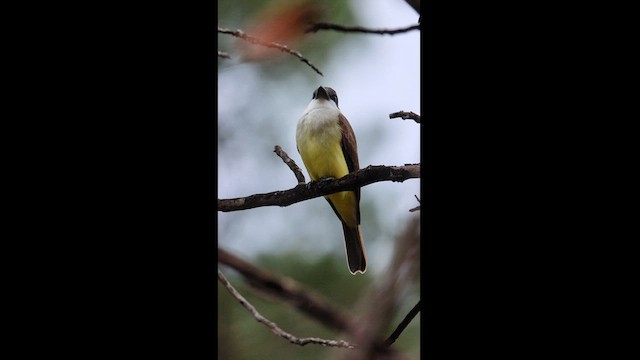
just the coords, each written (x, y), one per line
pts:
(327, 145)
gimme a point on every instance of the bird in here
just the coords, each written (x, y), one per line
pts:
(327, 145)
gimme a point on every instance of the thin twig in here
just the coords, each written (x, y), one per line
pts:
(417, 207)
(223, 54)
(290, 291)
(271, 325)
(301, 192)
(292, 164)
(359, 29)
(403, 324)
(405, 115)
(252, 39)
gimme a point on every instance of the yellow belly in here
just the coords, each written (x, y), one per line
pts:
(323, 157)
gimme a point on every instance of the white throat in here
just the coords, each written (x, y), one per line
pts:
(319, 113)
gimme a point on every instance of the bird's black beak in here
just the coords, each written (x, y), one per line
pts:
(321, 93)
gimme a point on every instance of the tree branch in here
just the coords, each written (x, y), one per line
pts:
(405, 115)
(381, 302)
(271, 325)
(291, 164)
(360, 178)
(417, 207)
(252, 39)
(359, 29)
(289, 291)
(403, 324)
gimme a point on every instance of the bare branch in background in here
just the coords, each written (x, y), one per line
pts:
(405, 115)
(417, 207)
(271, 325)
(252, 39)
(380, 304)
(224, 55)
(289, 291)
(291, 164)
(360, 178)
(359, 29)
(403, 325)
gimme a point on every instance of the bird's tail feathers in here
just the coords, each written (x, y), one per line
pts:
(356, 256)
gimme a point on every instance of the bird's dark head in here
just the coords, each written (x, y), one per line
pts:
(326, 93)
